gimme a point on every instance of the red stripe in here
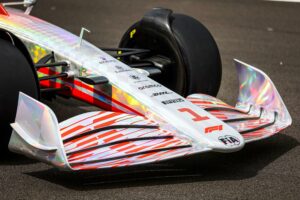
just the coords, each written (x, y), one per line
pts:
(144, 147)
(50, 83)
(94, 121)
(113, 138)
(3, 11)
(166, 144)
(102, 135)
(158, 153)
(136, 149)
(119, 145)
(151, 131)
(86, 142)
(125, 148)
(111, 115)
(105, 124)
(80, 121)
(74, 92)
(113, 132)
(201, 102)
(107, 134)
(132, 146)
(82, 153)
(78, 94)
(120, 163)
(72, 130)
(95, 137)
(147, 154)
(85, 86)
(72, 157)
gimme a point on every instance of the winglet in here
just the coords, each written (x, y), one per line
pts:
(257, 89)
(36, 133)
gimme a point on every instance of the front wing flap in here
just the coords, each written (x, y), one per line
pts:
(102, 139)
(92, 140)
(259, 112)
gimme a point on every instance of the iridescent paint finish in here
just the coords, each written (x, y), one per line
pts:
(130, 89)
(259, 106)
(36, 51)
(76, 149)
(42, 38)
(257, 89)
(34, 122)
(131, 92)
(37, 134)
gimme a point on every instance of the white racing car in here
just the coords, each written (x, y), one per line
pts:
(156, 91)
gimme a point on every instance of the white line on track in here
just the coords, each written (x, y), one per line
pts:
(289, 1)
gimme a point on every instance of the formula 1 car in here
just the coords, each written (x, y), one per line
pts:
(156, 92)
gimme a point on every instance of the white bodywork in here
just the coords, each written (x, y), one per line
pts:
(171, 111)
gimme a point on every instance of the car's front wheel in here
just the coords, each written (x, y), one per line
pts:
(17, 75)
(196, 64)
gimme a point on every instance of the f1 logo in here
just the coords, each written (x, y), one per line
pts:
(213, 128)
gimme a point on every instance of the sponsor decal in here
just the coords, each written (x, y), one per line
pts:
(137, 78)
(155, 94)
(178, 100)
(104, 60)
(149, 86)
(229, 140)
(121, 69)
(134, 77)
(85, 72)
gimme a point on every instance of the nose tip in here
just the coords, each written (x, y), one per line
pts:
(229, 140)
(228, 143)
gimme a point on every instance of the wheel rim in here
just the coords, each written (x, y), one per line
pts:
(173, 76)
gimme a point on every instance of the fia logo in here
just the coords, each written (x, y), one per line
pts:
(229, 140)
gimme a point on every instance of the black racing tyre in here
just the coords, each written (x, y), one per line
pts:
(17, 74)
(196, 60)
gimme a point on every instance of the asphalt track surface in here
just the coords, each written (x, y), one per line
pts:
(265, 34)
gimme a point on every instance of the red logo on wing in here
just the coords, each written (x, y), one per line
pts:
(213, 128)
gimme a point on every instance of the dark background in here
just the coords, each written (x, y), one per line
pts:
(264, 34)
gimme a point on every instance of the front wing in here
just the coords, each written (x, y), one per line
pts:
(105, 139)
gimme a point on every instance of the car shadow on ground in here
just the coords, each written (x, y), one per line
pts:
(8, 158)
(203, 167)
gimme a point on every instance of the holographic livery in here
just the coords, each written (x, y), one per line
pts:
(143, 121)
